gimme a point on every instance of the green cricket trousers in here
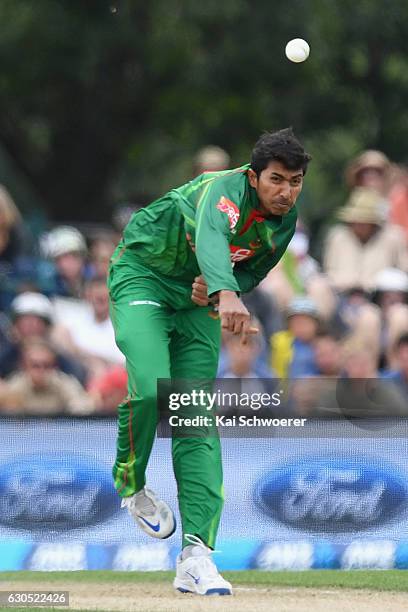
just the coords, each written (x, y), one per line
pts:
(161, 340)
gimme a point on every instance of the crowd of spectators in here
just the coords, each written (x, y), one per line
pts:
(342, 317)
(57, 348)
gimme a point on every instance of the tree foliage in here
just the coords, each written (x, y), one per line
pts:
(107, 101)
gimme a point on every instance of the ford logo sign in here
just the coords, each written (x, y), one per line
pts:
(44, 492)
(332, 495)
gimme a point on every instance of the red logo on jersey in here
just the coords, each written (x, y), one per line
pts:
(239, 254)
(232, 210)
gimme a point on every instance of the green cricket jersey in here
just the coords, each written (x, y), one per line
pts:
(211, 225)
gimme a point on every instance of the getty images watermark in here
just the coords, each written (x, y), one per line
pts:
(208, 401)
(186, 411)
(253, 407)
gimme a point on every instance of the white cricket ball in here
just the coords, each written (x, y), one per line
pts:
(297, 50)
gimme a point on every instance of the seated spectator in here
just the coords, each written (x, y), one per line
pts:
(313, 397)
(40, 388)
(16, 265)
(293, 350)
(210, 159)
(328, 355)
(66, 247)
(379, 322)
(360, 319)
(32, 316)
(316, 395)
(391, 297)
(298, 273)
(243, 362)
(10, 228)
(109, 389)
(398, 197)
(358, 360)
(100, 252)
(400, 372)
(360, 391)
(89, 334)
(364, 244)
(371, 169)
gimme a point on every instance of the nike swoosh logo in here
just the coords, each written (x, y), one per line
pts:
(154, 527)
(196, 580)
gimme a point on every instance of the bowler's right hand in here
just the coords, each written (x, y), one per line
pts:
(234, 315)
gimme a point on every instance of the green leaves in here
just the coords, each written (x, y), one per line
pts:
(101, 101)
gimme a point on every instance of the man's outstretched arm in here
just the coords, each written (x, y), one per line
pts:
(233, 314)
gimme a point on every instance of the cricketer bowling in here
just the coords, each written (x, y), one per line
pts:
(210, 239)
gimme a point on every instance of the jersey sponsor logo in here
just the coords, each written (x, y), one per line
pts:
(239, 253)
(225, 205)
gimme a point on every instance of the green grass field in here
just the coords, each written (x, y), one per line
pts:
(377, 580)
(254, 590)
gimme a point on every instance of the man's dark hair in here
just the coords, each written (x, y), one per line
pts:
(280, 146)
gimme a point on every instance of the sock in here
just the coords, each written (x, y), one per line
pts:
(193, 550)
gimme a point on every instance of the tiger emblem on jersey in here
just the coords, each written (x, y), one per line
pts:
(227, 206)
(239, 253)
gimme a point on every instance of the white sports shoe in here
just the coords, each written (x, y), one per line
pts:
(151, 514)
(198, 574)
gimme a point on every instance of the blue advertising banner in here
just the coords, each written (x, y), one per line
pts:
(290, 503)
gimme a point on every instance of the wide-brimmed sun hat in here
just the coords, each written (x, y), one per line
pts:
(370, 159)
(364, 206)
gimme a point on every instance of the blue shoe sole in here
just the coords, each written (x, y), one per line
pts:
(209, 592)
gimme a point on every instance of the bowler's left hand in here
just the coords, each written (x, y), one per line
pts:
(199, 294)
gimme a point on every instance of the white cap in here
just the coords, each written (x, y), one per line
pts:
(211, 158)
(30, 303)
(391, 279)
(303, 305)
(63, 239)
